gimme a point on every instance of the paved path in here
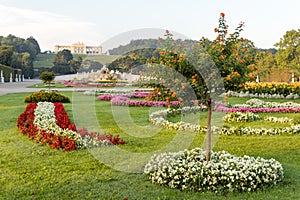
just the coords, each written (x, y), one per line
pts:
(15, 87)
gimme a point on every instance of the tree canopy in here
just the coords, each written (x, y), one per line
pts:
(19, 53)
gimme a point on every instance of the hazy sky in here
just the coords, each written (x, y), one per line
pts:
(96, 21)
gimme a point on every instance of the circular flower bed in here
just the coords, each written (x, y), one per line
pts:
(189, 170)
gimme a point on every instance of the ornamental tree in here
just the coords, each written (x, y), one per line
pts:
(189, 73)
(233, 55)
(206, 68)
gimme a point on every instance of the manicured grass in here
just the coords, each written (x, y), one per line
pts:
(42, 85)
(31, 171)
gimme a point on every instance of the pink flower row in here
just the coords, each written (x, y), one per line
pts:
(125, 101)
(108, 97)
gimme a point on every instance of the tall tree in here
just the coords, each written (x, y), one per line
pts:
(288, 54)
(6, 53)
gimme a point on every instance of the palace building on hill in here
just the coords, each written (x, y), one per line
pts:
(79, 48)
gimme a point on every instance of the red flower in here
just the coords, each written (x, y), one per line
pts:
(222, 15)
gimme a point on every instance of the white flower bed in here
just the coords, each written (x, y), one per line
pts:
(158, 118)
(188, 170)
(267, 96)
(240, 117)
(257, 103)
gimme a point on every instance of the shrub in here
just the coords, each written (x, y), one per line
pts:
(46, 96)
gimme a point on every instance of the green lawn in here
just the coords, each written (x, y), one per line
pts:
(31, 171)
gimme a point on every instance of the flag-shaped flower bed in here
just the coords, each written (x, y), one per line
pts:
(48, 123)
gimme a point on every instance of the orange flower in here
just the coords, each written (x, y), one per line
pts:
(133, 55)
(222, 15)
(228, 77)
(236, 54)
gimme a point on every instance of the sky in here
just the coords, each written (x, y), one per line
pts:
(97, 22)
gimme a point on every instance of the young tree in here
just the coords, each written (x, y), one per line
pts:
(47, 78)
(207, 67)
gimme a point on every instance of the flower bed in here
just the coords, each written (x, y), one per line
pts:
(158, 118)
(240, 117)
(48, 123)
(281, 88)
(189, 170)
(123, 99)
(262, 95)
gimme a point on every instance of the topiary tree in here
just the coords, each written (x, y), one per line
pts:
(47, 78)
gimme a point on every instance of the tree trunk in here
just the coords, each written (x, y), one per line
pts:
(208, 134)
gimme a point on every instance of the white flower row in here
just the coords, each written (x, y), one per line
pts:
(257, 103)
(281, 120)
(240, 117)
(45, 120)
(267, 96)
(189, 170)
(158, 118)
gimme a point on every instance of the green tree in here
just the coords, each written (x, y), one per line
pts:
(232, 54)
(63, 62)
(288, 54)
(6, 53)
(47, 78)
(206, 66)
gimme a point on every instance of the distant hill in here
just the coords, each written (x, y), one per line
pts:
(144, 43)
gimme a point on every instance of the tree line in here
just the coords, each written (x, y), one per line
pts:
(19, 53)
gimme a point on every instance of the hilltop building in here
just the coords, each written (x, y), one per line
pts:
(79, 48)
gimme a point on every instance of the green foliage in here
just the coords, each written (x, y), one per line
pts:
(64, 63)
(89, 65)
(232, 54)
(6, 53)
(9, 70)
(19, 53)
(288, 55)
(46, 96)
(47, 77)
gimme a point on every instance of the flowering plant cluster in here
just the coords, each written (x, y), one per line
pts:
(240, 117)
(138, 95)
(48, 123)
(38, 123)
(124, 101)
(281, 88)
(159, 118)
(189, 170)
(263, 95)
(257, 103)
(99, 84)
(281, 120)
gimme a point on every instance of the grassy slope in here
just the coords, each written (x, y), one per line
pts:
(29, 171)
(46, 60)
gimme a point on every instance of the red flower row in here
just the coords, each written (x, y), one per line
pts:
(26, 127)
